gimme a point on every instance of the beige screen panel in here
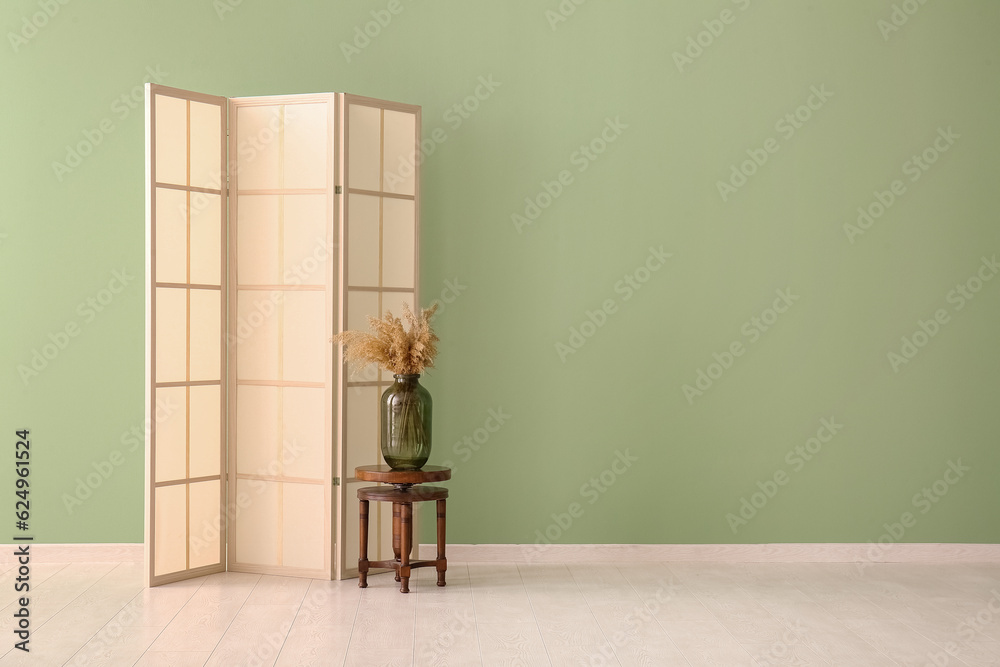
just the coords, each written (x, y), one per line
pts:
(170, 550)
(399, 224)
(363, 240)
(170, 133)
(305, 146)
(205, 335)
(172, 435)
(258, 421)
(204, 519)
(185, 158)
(256, 333)
(171, 336)
(361, 418)
(257, 254)
(206, 125)
(361, 304)
(281, 361)
(204, 423)
(364, 147)
(256, 533)
(399, 152)
(392, 302)
(206, 239)
(304, 432)
(306, 245)
(306, 337)
(379, 256)
(258, 129)
(305, 511)
(171, 235)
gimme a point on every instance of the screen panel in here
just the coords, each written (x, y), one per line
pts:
(170, 133)
(399, 219)
(204, 121)
(205, 422)
(185, 161)
(379, 270)
(398, 152)
(206, 240)
(170, 553)
(204, 521)
(303, 429)
(171, 436)
(283, 299)
(305, 144)
(171, 235)
(363, 137)
(363, 240)
(305, 510)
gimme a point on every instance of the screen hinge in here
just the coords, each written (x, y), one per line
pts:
(336, 481)
(338, 190)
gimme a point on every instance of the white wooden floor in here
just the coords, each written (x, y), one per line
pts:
(684, 614)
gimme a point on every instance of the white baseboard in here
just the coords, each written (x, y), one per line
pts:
(75, 553)
(601, 553)
(723, 553)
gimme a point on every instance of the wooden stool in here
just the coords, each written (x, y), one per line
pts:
(404, 492)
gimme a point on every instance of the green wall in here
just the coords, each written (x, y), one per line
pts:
(662, 134)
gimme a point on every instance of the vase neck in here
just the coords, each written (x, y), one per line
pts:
(407, 378)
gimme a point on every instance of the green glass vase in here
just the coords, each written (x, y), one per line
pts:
(406, 423)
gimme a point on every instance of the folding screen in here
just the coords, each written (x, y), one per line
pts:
(321, 197)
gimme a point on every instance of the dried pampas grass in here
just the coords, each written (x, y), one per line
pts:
(392, 347)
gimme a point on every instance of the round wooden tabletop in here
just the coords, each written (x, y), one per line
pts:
(385, 474)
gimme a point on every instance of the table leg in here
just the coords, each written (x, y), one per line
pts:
(442, 562)
(406, 536)
(363, 557)
(395, 535)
